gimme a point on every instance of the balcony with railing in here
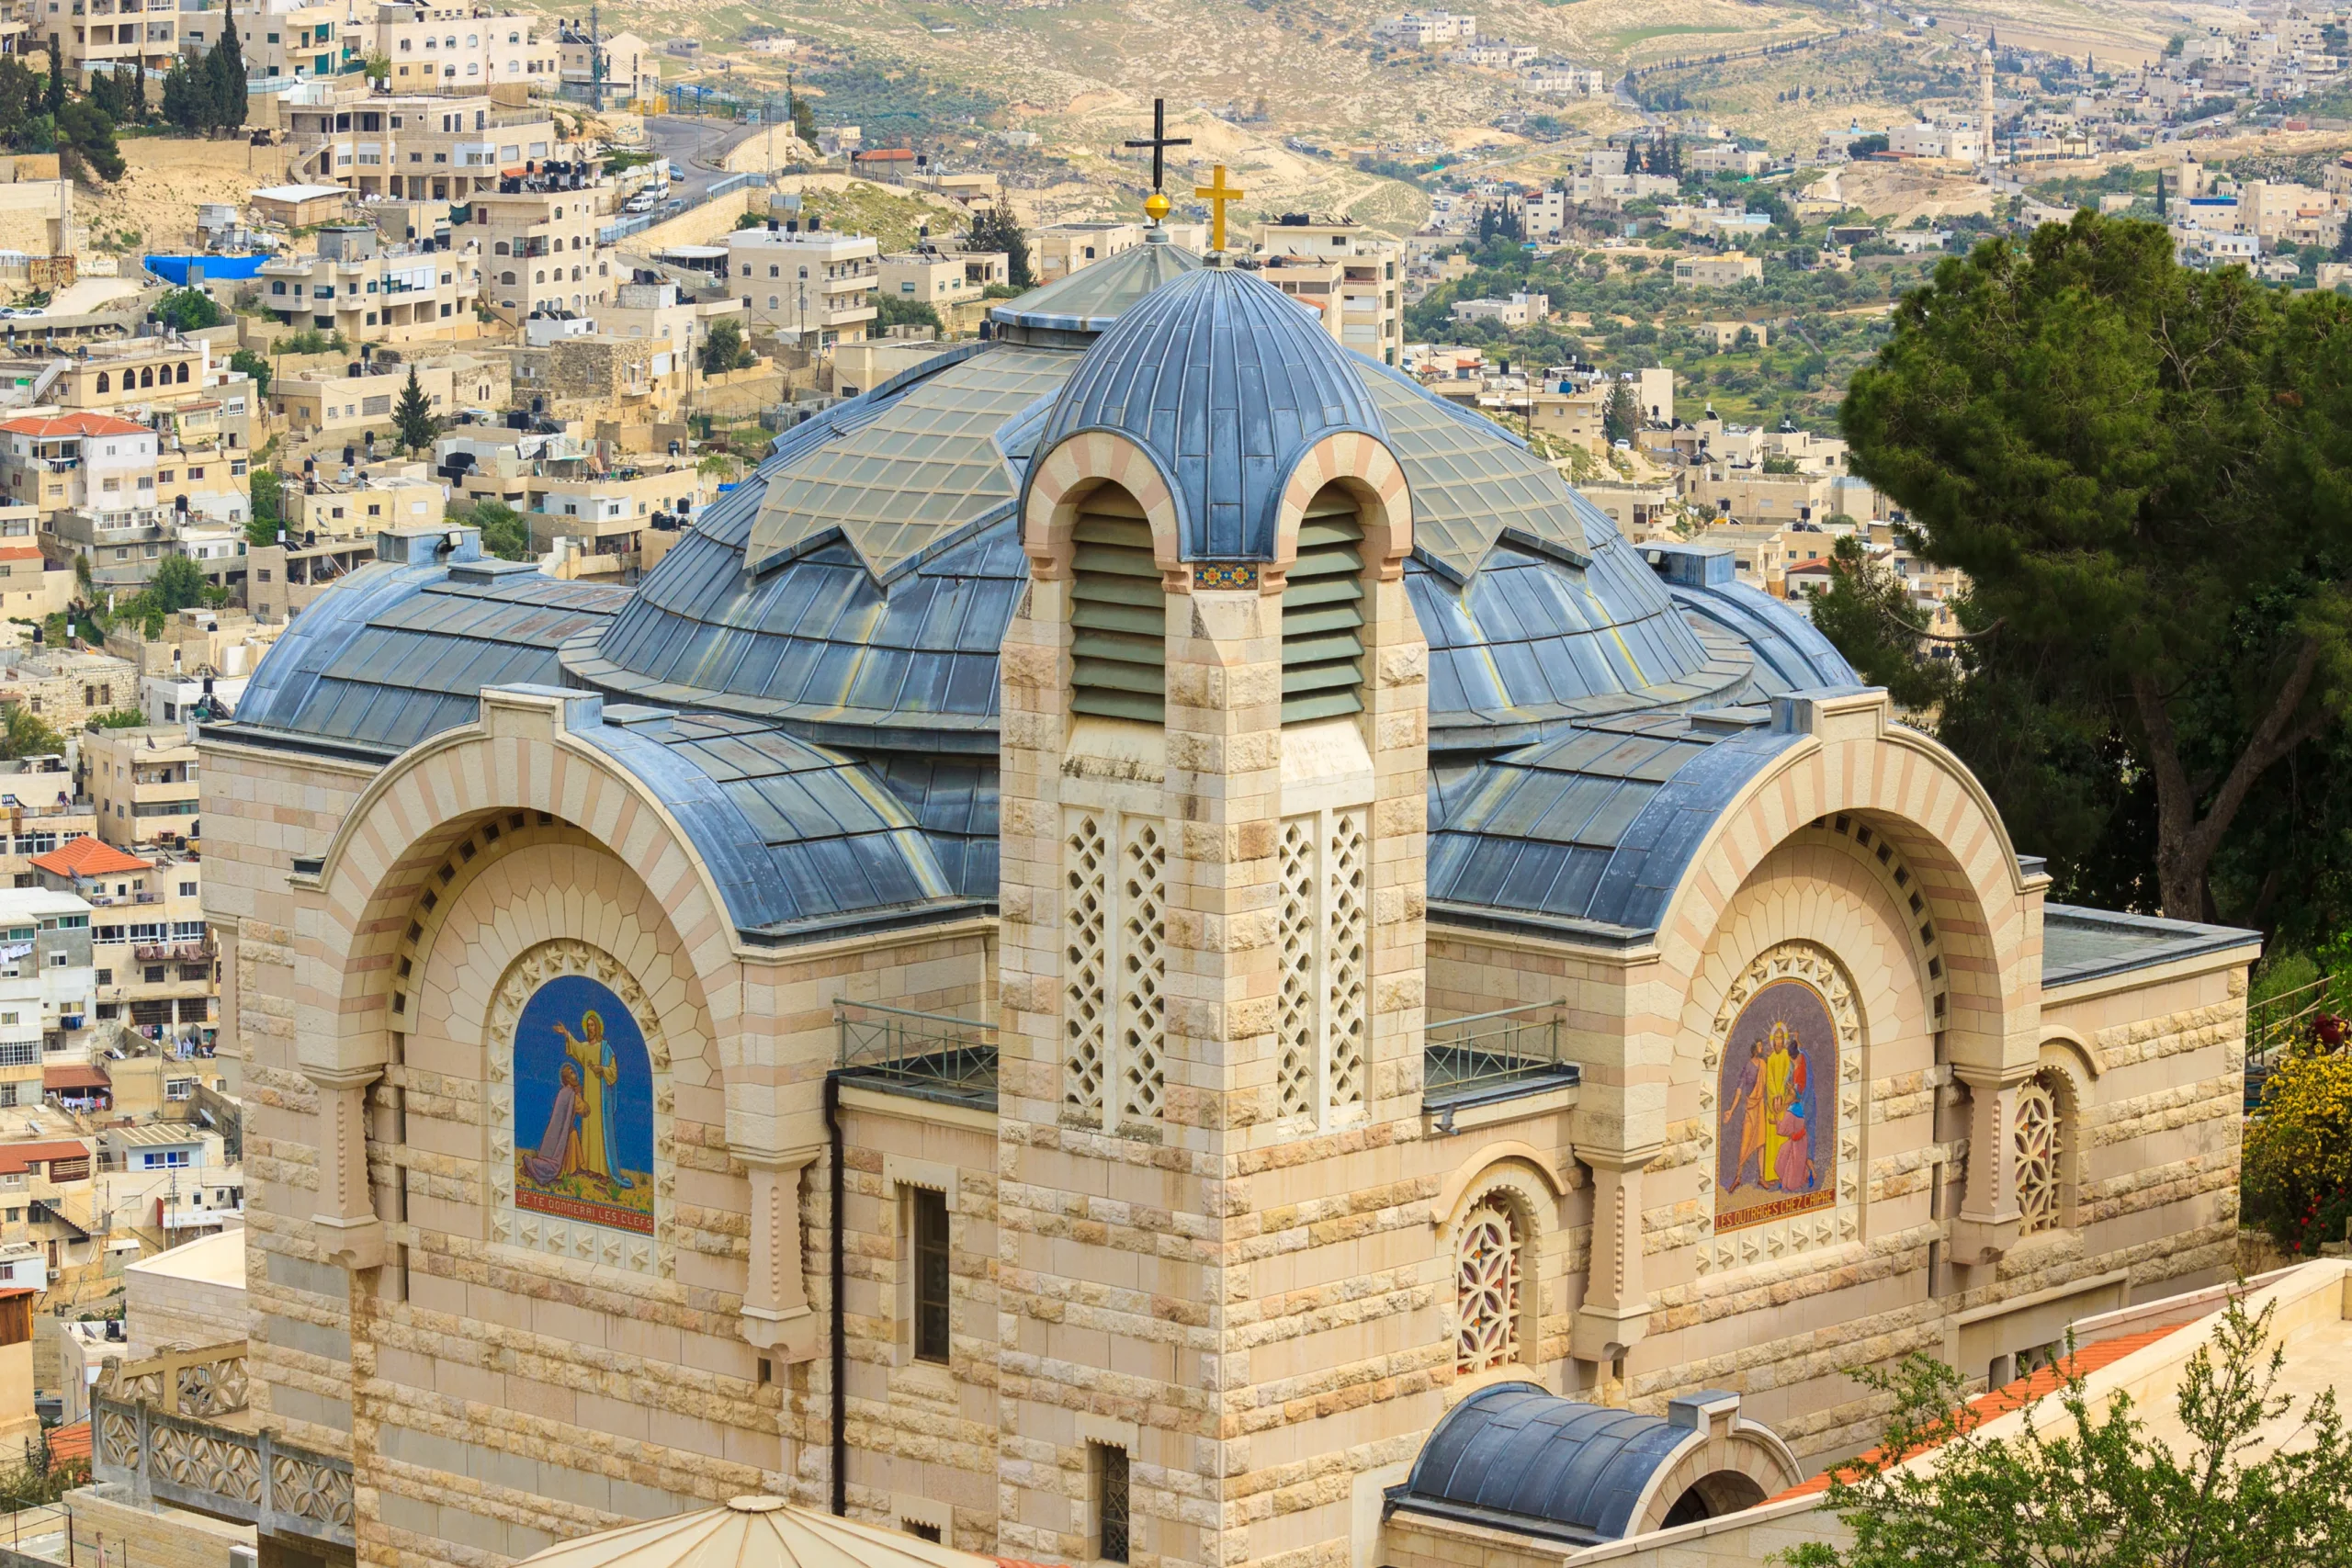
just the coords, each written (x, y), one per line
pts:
(176, 1429)
(1488, 1057)
(928, 1055)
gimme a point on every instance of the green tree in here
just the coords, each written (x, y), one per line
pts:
(224, 71)
(503, 532)
(890, 313)
(804, 119)
(178, 584)
(1620, 416)
(723, 348)
(116, 718)
(88, 135)
(53, 93)
(2142, 471)
(24, 733)
(184, 107)
(2088, 1487)
(412, 416)
(1867, 612)
(139, 114)
(264, 517)
(255, 364)
(998, 231)
(188, 310)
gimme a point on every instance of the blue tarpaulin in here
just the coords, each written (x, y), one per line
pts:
(175, 270)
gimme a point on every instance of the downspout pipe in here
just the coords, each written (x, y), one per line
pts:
(837, 1272)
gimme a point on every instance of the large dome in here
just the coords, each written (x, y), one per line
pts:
(857, 586)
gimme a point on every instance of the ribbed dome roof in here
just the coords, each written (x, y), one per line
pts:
(1092, 298)
(753, 1532)
(1226, 381)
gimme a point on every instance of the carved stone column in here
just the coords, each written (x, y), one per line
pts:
(1616, 1310)
(777, 1317)
(1989, 1219)
(346, 1215)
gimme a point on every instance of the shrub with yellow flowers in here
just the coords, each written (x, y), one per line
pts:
(2298, 1173)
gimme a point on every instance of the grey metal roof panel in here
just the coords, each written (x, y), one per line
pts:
(2089, 944)
(1790, 652)
(1514, 1455)
(1226, 382)
(1093, 297)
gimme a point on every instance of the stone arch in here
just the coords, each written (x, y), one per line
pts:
(1493, 1160)
(2064, 1076)
(1364, 468)
(1729, 1463)
(405, 824)
(1855, 759)
(1071, 471)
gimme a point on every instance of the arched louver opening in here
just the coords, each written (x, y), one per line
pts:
(1323, 614)
(1119, 616)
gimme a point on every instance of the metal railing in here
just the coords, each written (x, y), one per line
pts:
(929, 1055)
(2276, 1022)
(1493, 1056)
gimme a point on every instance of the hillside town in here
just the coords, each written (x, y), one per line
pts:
(719, 833)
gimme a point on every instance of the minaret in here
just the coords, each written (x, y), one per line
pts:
(1984, 109)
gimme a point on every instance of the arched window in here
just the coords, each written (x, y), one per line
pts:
(147, 376)
(1118, 612)
(506, 277)
(499, 248)
(1323, 612)
(513, 38)
(771, 302)
(103, 385)
(1486, 1267)
(2039, 1139)
(539, 277)
(180, 374)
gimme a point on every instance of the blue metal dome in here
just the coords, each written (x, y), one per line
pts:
(1226, 381)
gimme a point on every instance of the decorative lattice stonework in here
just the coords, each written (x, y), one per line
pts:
(1486, 1260)
(1839, 1220)
(549, 1233)
(1297, 1026)
(1143, 971)
(1344, 959)
(1085, 968)
(2035, 1138)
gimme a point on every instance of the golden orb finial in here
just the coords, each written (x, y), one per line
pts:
(1156, 205)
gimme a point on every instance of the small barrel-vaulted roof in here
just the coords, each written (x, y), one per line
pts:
(1226, 382)
(1091, 298)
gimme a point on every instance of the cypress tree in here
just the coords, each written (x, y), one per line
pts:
(225, 74)
(53, 95)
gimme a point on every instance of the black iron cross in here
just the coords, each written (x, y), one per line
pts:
(1160, 141)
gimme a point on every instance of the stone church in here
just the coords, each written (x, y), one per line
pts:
(1152, 946)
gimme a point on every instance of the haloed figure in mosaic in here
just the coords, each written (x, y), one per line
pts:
(1778, 1052)
(582, 1075)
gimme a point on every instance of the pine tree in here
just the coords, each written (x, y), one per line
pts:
(183, 98)
(225, 74)
(412, 415)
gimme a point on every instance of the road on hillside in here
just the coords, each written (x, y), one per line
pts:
(695, 146)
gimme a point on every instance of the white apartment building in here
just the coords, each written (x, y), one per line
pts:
(463, 49)
(537, 234)
(384, 294)
(1426, 30)
(48, 985)
(426, 148)
(815, 289)
(1371, 314)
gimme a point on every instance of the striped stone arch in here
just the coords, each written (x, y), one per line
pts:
(1371, 474)
(382, 863)
(1049, 504)
(1923, 800)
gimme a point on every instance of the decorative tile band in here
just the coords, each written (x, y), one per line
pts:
(1224, 574)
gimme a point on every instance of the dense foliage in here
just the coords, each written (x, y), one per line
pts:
(412, 416)
(994, 230)
(2297, 1178)
(2088, 1487)
(2146, 474)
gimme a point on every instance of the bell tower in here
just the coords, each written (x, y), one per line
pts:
(1213, 796)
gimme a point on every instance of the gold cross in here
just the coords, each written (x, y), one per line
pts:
(1216, 192)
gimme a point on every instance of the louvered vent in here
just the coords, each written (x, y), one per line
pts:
(1118, 617)
(1322, 613)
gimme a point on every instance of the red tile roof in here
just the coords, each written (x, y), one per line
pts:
(90, 856)
(16, 1158)
(75, 1075)
(46, 427)
(2010, 1396)
(69, 1444)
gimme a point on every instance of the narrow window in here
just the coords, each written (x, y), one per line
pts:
(1323, 614)
(1111, 1502)
(1119, 616)
(931, 1274)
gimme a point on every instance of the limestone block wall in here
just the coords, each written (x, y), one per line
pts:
(158, 1537)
